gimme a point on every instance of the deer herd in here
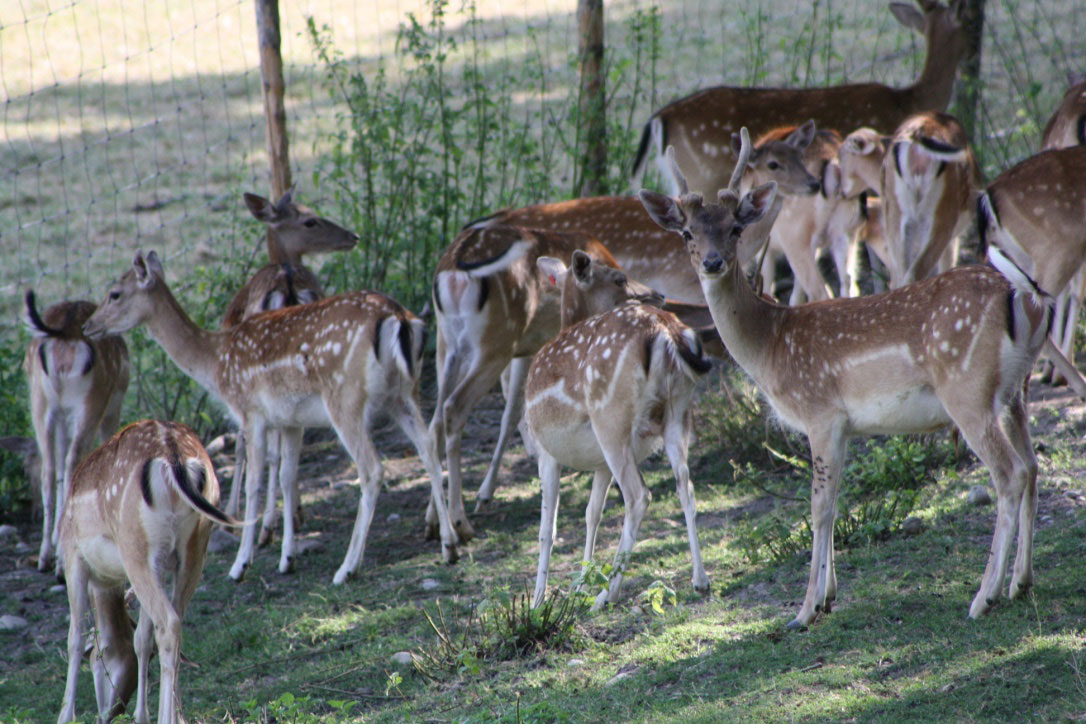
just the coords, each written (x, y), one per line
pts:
(593, 314)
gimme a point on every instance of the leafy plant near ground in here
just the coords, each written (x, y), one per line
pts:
(501, 627)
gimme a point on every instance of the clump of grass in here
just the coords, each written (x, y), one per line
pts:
(499, 628)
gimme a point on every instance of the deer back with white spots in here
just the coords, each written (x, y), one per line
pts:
(954, 348)
(494, 310)
(340, 362)
(611, 388)
(699, 126)
(76, 389)
(140, 511)
(930, 182)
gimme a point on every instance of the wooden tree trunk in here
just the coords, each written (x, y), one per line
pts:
(967, 95)
(275, 113)
(593, 98)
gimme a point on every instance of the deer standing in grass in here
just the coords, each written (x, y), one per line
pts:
(1067, 128)
(954, 348)
(603, 395)
(140, 512)
(930, 182)
(700, 125)
(1035, 212)
(76, 389)
(340, 362)
(293, 230)
(494, 311)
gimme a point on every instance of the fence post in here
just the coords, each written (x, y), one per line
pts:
(593, 98)
(275, 113)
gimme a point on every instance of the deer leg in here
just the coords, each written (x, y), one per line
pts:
(676, 444)
(635, 496)
(267, 524)
(1016, 425)
(410, 420)
(45, 424)
(290, 448)
(357, 440)
(601, 483)
(254, 471)
(76, 575)
(113, 660)
(448, 371)
(144, 649)
(1010, 476)
(234, 500)
(514, 406)
(548, 519)
(827, 456)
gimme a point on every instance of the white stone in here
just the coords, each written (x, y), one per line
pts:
(8, 622)
(979, 495)
(402, 657)
(393, 518)
(429, 584)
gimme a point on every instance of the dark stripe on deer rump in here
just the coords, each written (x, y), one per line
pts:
(646, 357)
(484, 292)
(942, 167)
(1081, 131)
(937, 146)
(145, 481)
(43, 357)
(985, 216)
(897, 161)
(469, 265)
(406, 346)
(694, 358)
(91, 358)
(481, 219)
(1010, 314)
(437, 298)
(193, 489)
(643, 144)
(865, 213)
(377, 338)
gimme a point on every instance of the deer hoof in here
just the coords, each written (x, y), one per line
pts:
(267, 535)
(286, 565)
(450, 553)
(464, 530)
(238, 572)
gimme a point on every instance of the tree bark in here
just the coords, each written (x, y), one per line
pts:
(967, 93)
(275, 113)
(593, 98)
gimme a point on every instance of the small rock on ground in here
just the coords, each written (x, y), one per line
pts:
(429, 584)
(8, 622)
(401, 657)
(979, 495)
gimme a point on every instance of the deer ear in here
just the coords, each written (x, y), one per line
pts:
(285, 205)
(143, 275)
(663, 209)
(800, 138)
(908, 16)
(581, 264)
(554, 269)
(756, 203)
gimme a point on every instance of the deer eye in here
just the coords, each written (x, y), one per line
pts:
(114, 295)
(736, 230)
(310, 223)
(687, 235)
(773, 165)
(620, 282)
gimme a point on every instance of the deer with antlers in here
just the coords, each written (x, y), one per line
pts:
(609, 390)
(293, 230)
(700, 125)
(77, 386)
(953, 348)
(340, 362)
(140, 512)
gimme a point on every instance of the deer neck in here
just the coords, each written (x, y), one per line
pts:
(196, 351)
(932, 90)
(277, 251)
(745, 321)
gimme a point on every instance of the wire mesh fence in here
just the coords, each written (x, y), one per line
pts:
(136, 123)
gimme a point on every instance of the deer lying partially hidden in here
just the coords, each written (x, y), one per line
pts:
(76, 389)
(954, 348)
(605, 394)
(140, 511)
(340, 362)
(293, 230)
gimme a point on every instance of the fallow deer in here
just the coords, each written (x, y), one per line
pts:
(953, 348)
(603, 395)
(1065, 129)
(930, 182)
(293, 230)
(700, 125)
(76, 389)
(339, 362)
(140, 511)
(494, 311)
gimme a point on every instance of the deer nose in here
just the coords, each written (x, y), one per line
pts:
(712, 263)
